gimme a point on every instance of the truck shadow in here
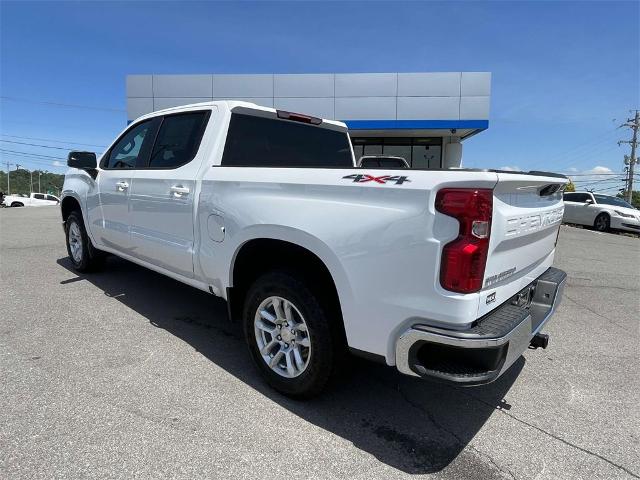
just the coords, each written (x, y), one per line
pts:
(412, 425)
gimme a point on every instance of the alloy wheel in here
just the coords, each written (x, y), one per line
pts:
(282, 337)
(75, 242)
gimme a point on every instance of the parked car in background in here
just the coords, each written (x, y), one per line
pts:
(33, 200)
(602, 212)
(377, 161)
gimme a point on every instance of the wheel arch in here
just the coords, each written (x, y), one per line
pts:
(300, 252)
(69, 204)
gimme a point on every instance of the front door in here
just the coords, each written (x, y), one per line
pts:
(114, 182)
(164, 193)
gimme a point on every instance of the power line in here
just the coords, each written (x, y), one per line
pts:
(36, 145)
(586, 182)
(603, 179)
(581, 157)
(594, 141)
(615, 188)
(594, 184)
(592, 174)
(54, 141)
(31, 154)
(41, 162)
(583, 149)
(60, 104)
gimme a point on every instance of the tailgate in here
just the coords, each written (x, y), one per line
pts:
(527, 212)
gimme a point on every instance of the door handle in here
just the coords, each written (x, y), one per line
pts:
(122, 186)
(179, 190)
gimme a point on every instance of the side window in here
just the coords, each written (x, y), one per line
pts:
(52, 198)
(38, 196)
(178, 140)
(575, 197)
(132, 150)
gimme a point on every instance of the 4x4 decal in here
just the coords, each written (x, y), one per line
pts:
(362, 178)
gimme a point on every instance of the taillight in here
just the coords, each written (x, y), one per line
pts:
(464, 259)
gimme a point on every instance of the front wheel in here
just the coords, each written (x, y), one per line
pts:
(82, 253)
(290, 334)
(602, 222)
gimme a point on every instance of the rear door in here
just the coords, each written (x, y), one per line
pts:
(163, 194)
(527, 213)
(571, 207)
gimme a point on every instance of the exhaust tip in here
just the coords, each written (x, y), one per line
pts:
(539, 340)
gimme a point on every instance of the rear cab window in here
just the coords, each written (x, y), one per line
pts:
(265, 141)
(178, 139)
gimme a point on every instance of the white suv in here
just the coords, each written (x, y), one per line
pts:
(603, 212)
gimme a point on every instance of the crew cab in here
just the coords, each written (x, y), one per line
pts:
(33, 200)
(444, 274)
(602, 212)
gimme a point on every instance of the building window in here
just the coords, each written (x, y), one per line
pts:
(423, 153)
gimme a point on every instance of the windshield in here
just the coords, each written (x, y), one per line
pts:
(607, 200)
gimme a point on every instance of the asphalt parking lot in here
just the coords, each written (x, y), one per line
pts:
(128, 374)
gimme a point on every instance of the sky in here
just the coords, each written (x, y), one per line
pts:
(564, 73)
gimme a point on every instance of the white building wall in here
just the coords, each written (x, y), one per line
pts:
(343, 96)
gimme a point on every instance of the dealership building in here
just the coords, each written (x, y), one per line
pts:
(423, 117)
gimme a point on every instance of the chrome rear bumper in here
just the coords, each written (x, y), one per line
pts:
(482, 353)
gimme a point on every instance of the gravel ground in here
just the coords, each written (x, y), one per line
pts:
(126, 373)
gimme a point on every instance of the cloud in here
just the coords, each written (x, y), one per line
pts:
(511, 168)
(599, 169)
(56, 163)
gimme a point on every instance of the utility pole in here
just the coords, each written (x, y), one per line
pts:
(8, 182)
(30, 181)
(634, 125)
(39, 175)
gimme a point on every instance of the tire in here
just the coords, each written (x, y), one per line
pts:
(17, 204)
(313, 367)
(84, 256)
(602, 222)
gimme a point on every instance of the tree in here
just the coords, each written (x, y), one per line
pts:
(635, 198)
(571, 187)
(20, 180)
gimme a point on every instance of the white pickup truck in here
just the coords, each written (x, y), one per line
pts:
(33, 200)
(445, 274)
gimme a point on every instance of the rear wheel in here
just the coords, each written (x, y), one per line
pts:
(602, 222)
(17, 204)
(290, 334)
(82, 253)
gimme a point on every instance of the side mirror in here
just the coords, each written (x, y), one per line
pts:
(82, 160)
(588, 201)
